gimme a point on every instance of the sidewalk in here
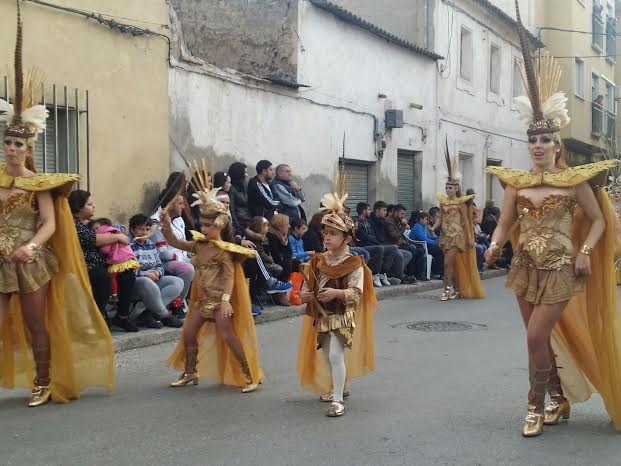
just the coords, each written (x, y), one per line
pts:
(127, 341)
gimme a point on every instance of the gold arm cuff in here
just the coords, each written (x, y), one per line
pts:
(586, 250)
(226, 298)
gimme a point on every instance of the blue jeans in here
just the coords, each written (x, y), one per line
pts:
(480, 256)
(361, 252)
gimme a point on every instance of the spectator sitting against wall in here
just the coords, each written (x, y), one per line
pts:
(261, 199)
(391, 261)
(257, 233)
(289, 193)
(238, 173)
(353, 249)
(155, 289)
(313, 238)
(278, 240)
(420, 232)
(396, 226)
(176, 262)
(296, 241)
(434, 215)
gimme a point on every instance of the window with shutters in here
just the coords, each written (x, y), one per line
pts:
(409, 179)
(64, 143)
(356, 183)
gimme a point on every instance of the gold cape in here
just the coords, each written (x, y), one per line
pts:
(82, 354)
(313, 370)
(466, 268)
(216, 362)
(587, 338)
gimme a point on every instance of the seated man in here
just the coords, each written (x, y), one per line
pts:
(420, 232)
(395, 227)
(155, 289)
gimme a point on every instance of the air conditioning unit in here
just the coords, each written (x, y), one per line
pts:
(394, 119)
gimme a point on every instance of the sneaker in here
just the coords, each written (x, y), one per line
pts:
(147, 320)
(177, 303)
(384, 279)
(256, 311)
(126, 324)
(376, 281)
(173, 322)
(394, 281)
(279, 287)
(410, 280)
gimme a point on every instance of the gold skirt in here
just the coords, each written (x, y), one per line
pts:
(28, 277)
(342, 325)
(544, 286)
(448, 242)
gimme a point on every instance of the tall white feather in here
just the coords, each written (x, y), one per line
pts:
(36, 116)
(6, 111)
(555, 109)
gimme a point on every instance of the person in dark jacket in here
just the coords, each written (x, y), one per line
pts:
(278, 240)
(313, 238)
(261, 199)
(395, 234)
(238, 174)
(289, 193)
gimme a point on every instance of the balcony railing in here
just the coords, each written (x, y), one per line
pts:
(598, 28)
(611, 38)
(597, 119)
(610, 119)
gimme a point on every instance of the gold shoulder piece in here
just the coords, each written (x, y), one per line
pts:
(61, 183)
(595, 173)
(196, 236)
(235, 249)
(512, 176)
(444, 200)
(6, 181)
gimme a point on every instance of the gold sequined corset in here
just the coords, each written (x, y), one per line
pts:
(545, 232)
(452, 234)
(210, 280)
(19, 219)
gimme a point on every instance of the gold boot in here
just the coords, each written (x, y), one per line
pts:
(446, 294)
(456, 294)
(185, 379)
(533, 423)
(559, 407)
(41, 394)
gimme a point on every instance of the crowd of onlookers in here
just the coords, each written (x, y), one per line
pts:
(135, 270)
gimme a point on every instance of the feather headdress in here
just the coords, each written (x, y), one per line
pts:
(453, 176)
(544, 109)
(334, 204)
(206, 196)
(25, 118)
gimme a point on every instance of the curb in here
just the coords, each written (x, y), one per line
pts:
(147, 337)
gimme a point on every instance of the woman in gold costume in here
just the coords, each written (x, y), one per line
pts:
(562, 270)
(47, 313)
(219, 339)
(461, 276)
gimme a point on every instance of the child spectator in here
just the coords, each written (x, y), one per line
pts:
(257, 233)
(296, 242)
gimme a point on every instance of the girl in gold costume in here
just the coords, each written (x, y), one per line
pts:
(461, 276)
(47, 312)
(219, 339)
(338, 291)
(562, 272)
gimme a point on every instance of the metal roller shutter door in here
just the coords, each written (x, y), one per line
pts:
(406, 183)
(357, 184)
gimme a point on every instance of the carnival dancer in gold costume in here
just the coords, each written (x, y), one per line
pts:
(461, 276)
(614, 191)
(338, 291)
(562, 272)
(47, 312)
(219, 341)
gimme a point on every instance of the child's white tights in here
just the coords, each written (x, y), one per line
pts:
(335, 357)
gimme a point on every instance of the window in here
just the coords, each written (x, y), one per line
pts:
(518, 83)
(609, 111)
(494, 69)
(357, 182)
(611, 32)
(597, 106)
(409, 179)
(466, 55)
(579, 78)
(466, 162)
(595, 87)
(598, 26)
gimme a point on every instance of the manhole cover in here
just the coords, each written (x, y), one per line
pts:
(439, 326)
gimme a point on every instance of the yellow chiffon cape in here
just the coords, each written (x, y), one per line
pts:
(82, 353)
(466, 268)
(313, 371)
(216, 362)
(587, 338)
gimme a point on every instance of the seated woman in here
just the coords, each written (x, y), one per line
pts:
(278, 240)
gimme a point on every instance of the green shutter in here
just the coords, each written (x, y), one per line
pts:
(357, 184)
(406, 181)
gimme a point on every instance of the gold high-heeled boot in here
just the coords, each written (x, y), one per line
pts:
(446, 294)
(41, 391)
(533, 423)
(559, 407)
(189, 375)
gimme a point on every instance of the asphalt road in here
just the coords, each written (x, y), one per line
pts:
(436, 398)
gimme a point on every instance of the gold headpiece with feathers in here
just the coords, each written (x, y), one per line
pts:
(453, 176)
(544, 109)
(206, 196)
(334, 204)
(25, 119)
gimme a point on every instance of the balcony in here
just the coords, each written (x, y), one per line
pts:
(610, 120)
(597, 119)
(611, 39)
(598, 29)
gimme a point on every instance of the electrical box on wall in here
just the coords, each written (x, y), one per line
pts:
(394, 119)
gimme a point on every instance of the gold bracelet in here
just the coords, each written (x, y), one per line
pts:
(586, 250)
(32, 246)
(226, 298)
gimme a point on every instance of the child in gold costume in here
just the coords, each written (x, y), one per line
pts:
(219, 339)
(461, 276)
(338, 291)
(47, 311)
(562, 272)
